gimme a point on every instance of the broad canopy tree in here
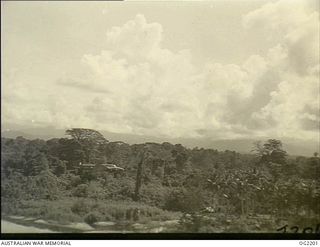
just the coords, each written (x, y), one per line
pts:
(89, 140)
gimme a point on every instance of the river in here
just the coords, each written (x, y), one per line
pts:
(9, 227)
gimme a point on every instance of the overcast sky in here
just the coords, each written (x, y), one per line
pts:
(220, 69)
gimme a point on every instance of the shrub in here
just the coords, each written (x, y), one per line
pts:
(95, 190)
(91, 218)
(154, 195)
(81, 190)
(62, 215)
(80, 207)
(74, 180)
(183, 200)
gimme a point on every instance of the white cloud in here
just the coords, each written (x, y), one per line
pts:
(138, 86)
(297, 54)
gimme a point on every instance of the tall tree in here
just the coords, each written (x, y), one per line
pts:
(270, 151)
(86, 135)
(89, 140)
(143, 157)
(36, 162)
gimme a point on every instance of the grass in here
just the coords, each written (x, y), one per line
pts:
(71, 209)
(59, 211)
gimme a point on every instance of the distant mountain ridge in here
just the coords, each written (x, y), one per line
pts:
(293, 147)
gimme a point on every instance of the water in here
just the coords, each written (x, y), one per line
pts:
(9, 227)
(14, 224)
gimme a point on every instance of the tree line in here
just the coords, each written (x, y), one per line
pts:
(166, 176)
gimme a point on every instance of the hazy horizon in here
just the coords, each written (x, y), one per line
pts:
(293, 147)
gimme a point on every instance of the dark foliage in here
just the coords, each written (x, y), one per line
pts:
(204, 184)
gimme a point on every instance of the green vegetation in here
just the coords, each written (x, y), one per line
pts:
(204, 189)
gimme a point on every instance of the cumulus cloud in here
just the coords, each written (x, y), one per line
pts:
(298, 28)
(297, 86)
(150, 88)
(138, 86)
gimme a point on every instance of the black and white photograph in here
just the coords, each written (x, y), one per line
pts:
(160, 117)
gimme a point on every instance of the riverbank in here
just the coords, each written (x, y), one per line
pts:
(9, 227)
(21, 224)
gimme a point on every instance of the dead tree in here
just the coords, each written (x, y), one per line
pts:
(136, 196)
(143, 156)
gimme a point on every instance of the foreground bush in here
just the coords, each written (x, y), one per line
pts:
(86, 210)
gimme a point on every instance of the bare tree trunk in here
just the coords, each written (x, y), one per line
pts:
(253, 207)
(136, 196)
(138, 183)
(242, 207)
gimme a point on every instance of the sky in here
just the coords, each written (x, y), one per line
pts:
(191, 69)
